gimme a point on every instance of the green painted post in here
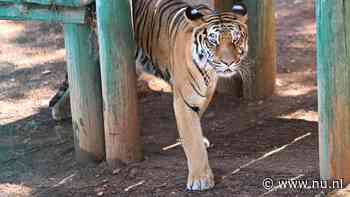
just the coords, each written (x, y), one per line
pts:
(262, 49)
(117, 51)
(85, 89)
(333, 61)
(71, 3)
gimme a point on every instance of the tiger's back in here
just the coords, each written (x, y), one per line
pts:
(153, 22)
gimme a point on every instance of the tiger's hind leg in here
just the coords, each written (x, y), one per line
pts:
(150, 74)
(188, 122)
(60, 102)
(61, 109)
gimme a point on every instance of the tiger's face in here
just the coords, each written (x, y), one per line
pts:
(221, 42)
(225, 45)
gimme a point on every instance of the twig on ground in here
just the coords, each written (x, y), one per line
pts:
(135, 185)
(172, 146)
(60, 183)
(205, 141)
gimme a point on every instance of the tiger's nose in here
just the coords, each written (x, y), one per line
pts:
(227, 62)
(227, 55)
(227, 59)
(230, 61)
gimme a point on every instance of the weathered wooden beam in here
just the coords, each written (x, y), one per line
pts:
(333, 61)
(42, 13)
(117, 50)
(262, 49)
(222, 5)
(73, 3)
(262, 46)
(85, 92)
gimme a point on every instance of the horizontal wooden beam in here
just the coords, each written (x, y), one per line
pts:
(73, 3)
(10, 11)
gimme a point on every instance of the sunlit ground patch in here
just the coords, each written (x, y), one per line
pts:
(341, 193)
(12, 190)
(10, 29)
(302, 115)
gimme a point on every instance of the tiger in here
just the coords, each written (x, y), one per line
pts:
(190, 48)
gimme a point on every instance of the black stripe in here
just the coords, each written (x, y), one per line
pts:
(195, 86)
(150, 36)
(177, 22)
(144, 19)
(165, 7)
(171, 16)
(182, 25)
(139, 8)
(197, 91)
(198, 68)
(193, 108)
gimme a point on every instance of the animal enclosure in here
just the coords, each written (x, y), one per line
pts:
(103, 97)
(37, 154)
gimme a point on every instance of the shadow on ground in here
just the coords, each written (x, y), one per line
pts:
(40, 151)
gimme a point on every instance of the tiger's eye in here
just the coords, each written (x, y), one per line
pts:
(212, 36)
(212, 39)
(236, 35)
(212, 44)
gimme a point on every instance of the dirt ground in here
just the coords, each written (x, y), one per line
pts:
(277, 137)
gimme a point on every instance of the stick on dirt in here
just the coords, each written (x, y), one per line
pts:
(135, 185)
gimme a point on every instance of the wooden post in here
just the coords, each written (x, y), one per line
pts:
(117, 51)
(262, 48)
(333, 61)
(222, 5)
(85, 89)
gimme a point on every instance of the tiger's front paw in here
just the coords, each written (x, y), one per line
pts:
(200, 182)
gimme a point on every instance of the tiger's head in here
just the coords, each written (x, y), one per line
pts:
(220, 40)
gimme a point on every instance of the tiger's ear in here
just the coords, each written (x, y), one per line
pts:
(192, 14)
(241, 10)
